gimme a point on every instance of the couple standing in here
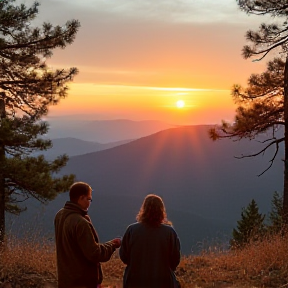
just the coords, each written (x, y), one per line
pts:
(150, 247)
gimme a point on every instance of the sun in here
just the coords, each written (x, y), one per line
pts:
(180, 104)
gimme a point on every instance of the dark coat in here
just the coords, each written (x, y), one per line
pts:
(151, 254)
(78, 250)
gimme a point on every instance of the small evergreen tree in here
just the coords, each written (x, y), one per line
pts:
(276, 221)
(250, 227)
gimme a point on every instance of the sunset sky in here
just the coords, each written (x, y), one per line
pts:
(137, 58)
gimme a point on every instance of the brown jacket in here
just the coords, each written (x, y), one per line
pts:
(79, 252)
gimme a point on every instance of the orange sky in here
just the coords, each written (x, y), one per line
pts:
(137, 59)
(146, 103)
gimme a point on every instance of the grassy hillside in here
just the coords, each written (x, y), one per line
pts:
(25, 263)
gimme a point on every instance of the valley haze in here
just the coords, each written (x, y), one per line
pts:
(201, 182)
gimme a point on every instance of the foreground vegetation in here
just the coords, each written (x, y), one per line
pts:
(25, 263)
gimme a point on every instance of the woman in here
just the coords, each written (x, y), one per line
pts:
(150, 248)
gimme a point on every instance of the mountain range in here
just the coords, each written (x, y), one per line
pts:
(72, 147)
(103, 131)
(203, 185)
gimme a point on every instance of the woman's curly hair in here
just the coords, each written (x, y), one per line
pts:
(153, 211)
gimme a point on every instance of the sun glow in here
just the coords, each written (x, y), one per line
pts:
(199, 106)
(180, 104)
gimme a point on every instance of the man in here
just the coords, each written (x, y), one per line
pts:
(79, 252)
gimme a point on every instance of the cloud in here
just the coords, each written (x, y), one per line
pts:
(147, 42)
(191, 11)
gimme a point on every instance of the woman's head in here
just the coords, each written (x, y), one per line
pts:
(152, 211)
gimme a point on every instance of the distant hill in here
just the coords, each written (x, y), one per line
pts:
(73, 147)
(181, 163)
(103, 131)
(203, 186)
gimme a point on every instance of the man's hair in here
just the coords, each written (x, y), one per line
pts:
(78, 189)
(153, 211)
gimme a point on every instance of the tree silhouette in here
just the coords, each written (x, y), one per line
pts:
(250, 227)
(276, 215)
(27, 88)
(264, 104)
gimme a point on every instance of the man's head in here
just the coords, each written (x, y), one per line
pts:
(81, 194)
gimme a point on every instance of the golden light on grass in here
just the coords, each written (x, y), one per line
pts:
(26, 263)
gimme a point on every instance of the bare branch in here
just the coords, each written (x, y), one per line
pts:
(262, 151)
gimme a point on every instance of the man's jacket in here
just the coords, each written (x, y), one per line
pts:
(79, 252)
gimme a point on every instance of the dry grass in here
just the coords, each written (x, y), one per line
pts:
(262, 264)
(25, 263)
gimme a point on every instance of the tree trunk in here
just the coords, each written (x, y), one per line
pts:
(2, 195)
(285, 192)
(2, 183)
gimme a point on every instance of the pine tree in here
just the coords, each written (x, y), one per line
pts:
(276, 214)
(250, 227)
(264, 104)
(27, 88)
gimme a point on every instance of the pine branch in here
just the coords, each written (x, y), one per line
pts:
(262, 151)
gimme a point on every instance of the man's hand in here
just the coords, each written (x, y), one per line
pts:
(116, 242)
